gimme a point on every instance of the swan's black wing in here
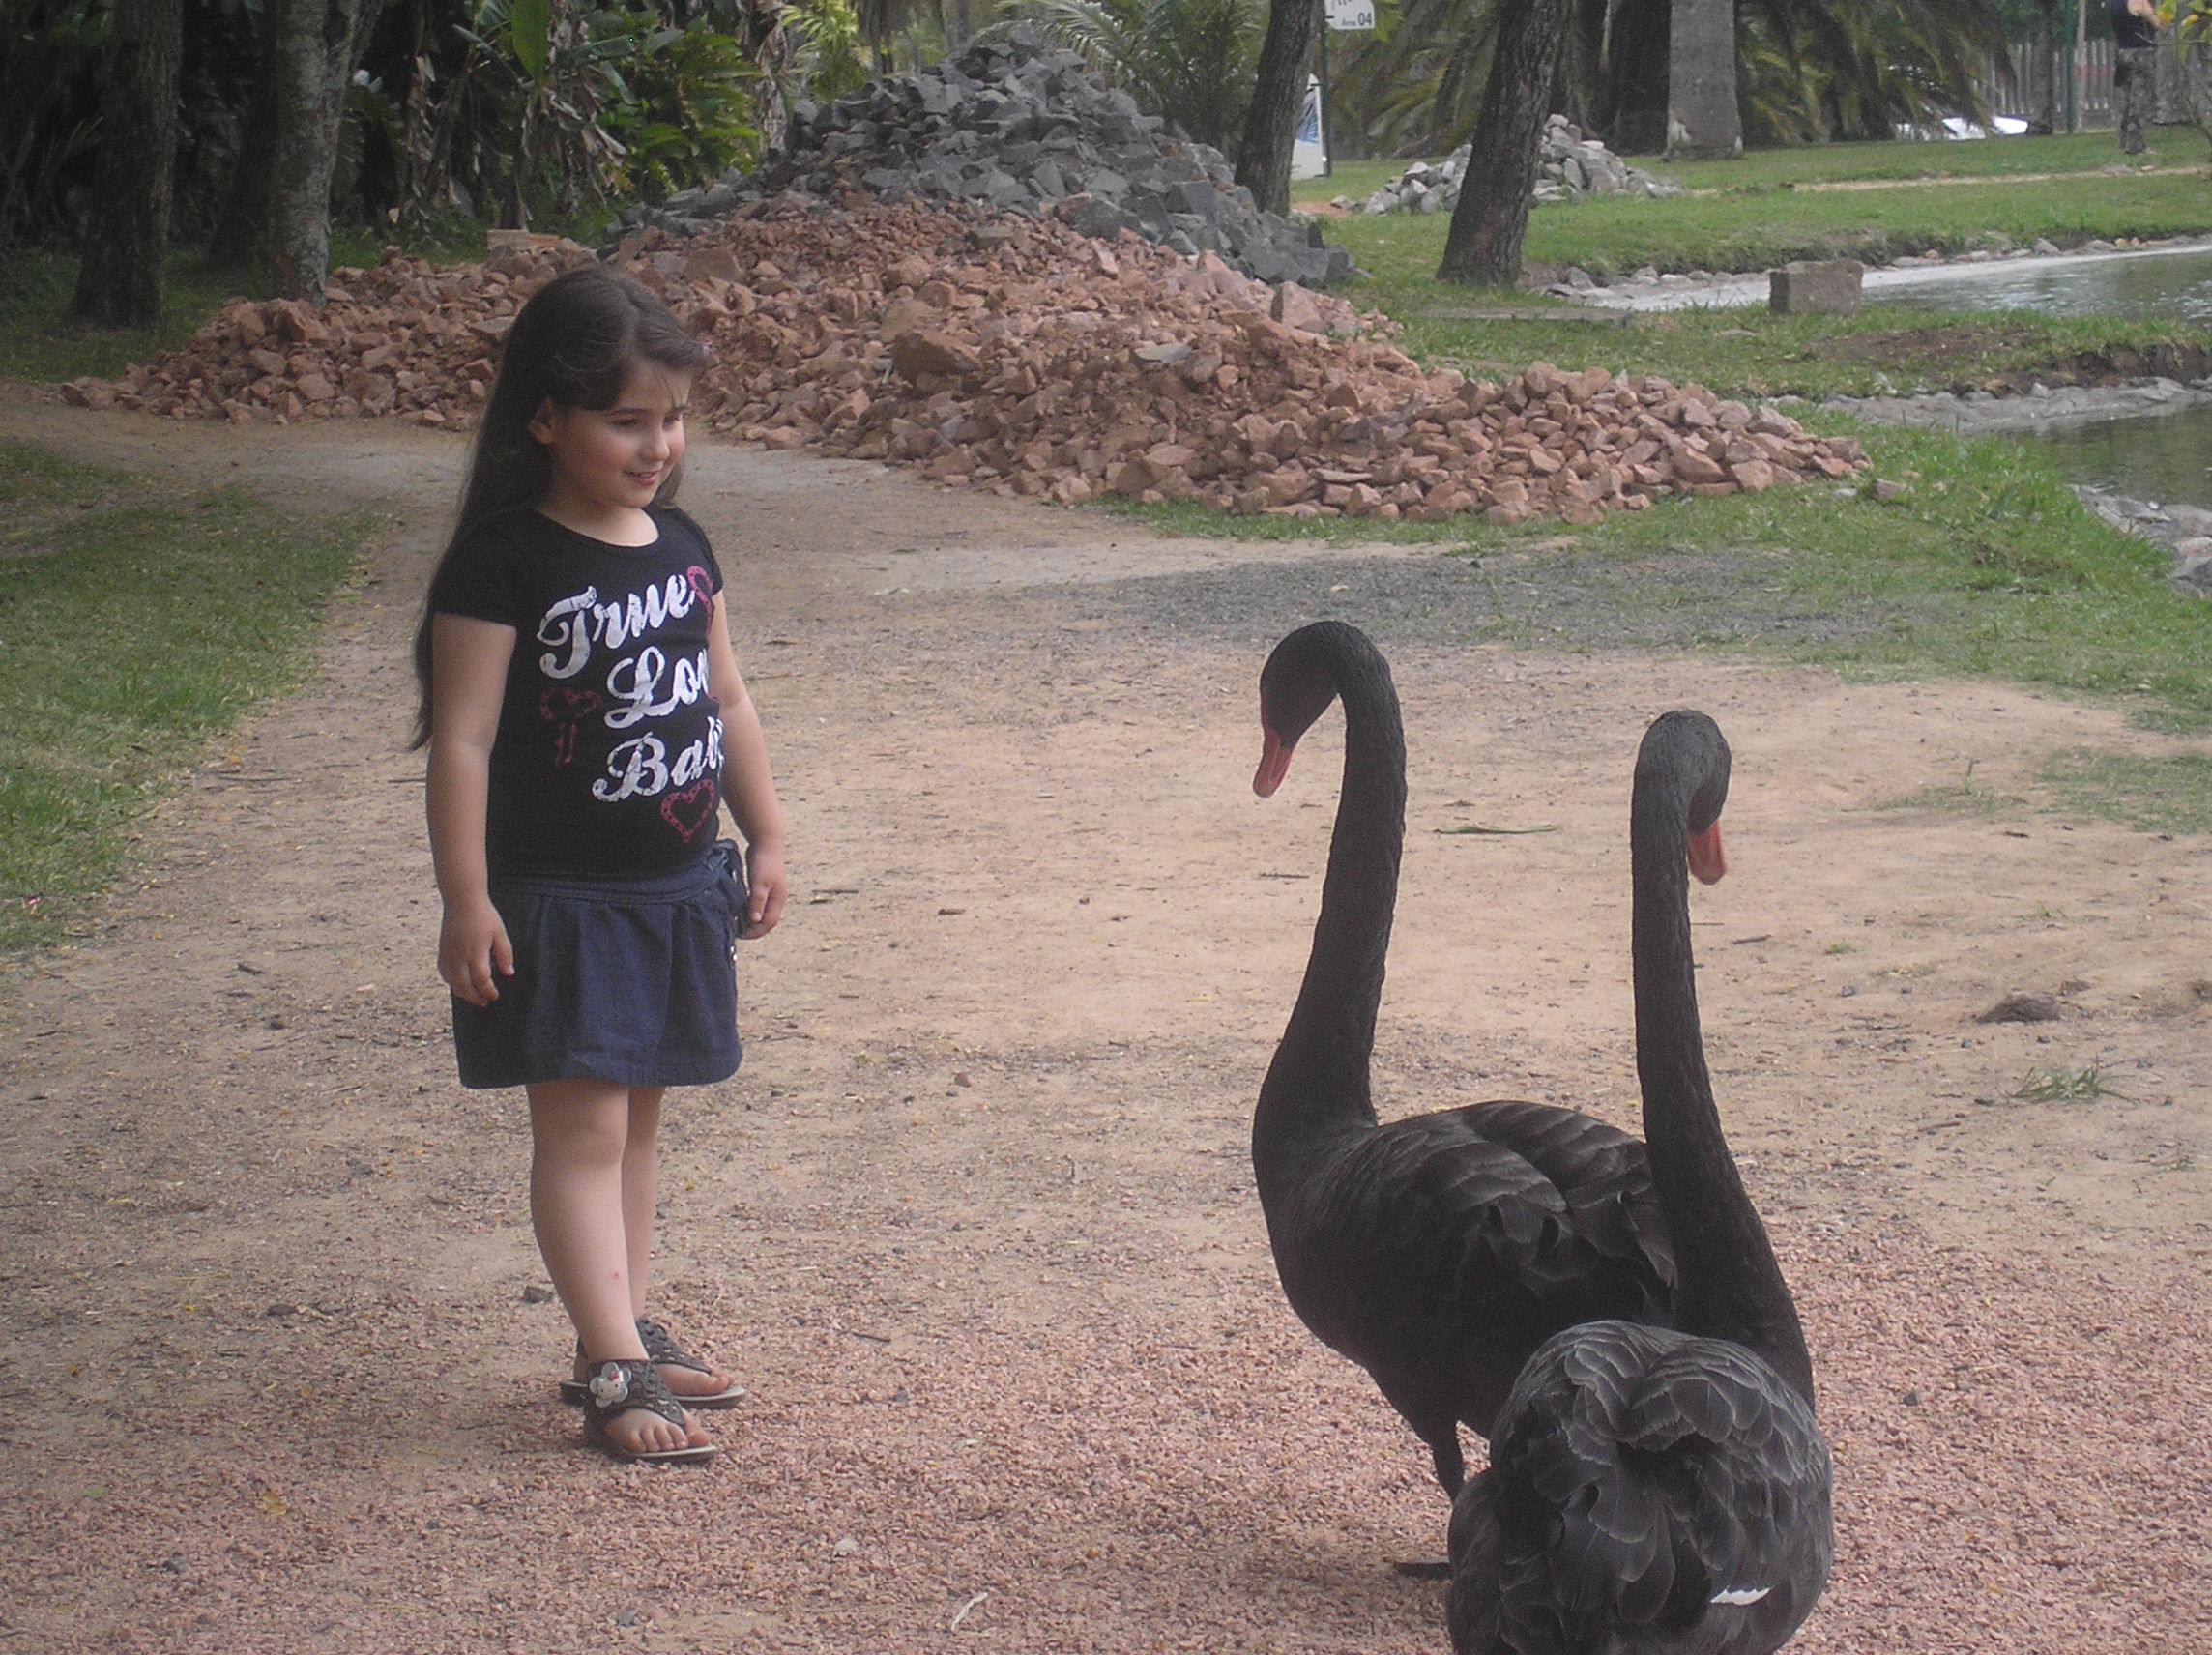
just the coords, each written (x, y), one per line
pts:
(1438, 1251)
(1647, 1491)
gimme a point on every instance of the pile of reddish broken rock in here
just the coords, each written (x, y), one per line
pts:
(1021, 356)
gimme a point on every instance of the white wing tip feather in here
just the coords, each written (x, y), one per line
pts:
(1740, 1595)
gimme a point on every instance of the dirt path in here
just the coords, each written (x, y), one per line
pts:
(976, 1220)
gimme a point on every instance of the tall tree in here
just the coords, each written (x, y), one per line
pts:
(1279, 94)
(1702, 122)
(1491, 220)
(314, 44)
(2043, 73)
(119, 283)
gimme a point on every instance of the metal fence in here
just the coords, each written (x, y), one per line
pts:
(2083, 76)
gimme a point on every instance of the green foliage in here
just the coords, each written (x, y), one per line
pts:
(1814, 69)
(1416, 82)
(833, 55)
(683, 113)
(530, 31)
(49, 64)
(1806, 70)
(1191, 61)
(137, 625)
(546, 112)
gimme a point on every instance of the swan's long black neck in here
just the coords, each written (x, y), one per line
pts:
(1317, 1088)
(1729, 1283)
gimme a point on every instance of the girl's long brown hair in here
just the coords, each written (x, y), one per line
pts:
(576, 342)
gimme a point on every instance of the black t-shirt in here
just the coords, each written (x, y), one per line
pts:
(2129, 31)
(608, 761)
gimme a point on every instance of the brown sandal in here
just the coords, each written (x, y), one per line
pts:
(663, 1351)
(620, 1386)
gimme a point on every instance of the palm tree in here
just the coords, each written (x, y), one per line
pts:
(1191, 61)
(1806, 71)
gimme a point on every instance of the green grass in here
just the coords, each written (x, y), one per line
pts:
(1749, 230)
(1758, 171)
(2084, 1085)
(1826, 163)
(1986, 566)
(41, 345)
(1749, 350)
(1964, 797)
(1753, 352)
(138, 624)
(2169, 795)
(38, 343)
(1761, 217)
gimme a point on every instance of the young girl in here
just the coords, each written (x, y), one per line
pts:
(585, 722)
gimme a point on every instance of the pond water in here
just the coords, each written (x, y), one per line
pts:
(2165, 458)
(2172, 286)
(2169, 283)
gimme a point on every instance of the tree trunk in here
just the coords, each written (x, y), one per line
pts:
(1491, 219)
(2043, 72)
(313, 46)
(127, 243)
(1278, 94)
(1702, 123)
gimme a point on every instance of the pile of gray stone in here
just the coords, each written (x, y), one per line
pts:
(1569, 167)
(1017, 125)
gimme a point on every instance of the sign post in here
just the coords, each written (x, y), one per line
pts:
(1339, 17)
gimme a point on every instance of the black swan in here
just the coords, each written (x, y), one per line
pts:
(1653, 1489)
(1437, 1252)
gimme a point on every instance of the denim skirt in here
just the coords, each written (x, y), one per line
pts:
(632, 981)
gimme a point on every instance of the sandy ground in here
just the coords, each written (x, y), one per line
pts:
(976, 1221)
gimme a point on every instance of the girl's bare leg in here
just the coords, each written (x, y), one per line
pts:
(641, 1188)
(640, 1197)
(579, 1135)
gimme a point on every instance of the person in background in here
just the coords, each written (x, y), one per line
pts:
(2135, 38)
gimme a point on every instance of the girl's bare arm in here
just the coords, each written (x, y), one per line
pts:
(468, 680)
(748, 786)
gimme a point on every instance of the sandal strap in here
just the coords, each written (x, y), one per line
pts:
(661, 1347)
(617, 1387)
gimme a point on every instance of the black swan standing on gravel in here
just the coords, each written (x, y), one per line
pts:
(1437, 1252)
(1653, 1489)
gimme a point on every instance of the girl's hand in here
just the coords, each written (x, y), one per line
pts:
(765, 887)
(473, 951)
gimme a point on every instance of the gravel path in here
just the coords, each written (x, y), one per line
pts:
(976, 1221)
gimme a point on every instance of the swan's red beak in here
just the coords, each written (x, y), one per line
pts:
(1274, 763)
(1707, 860)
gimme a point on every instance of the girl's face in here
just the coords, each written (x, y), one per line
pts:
(609, 462)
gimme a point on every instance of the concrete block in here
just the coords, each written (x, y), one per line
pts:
(1815, 286)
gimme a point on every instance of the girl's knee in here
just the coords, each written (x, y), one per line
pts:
(584, 1118)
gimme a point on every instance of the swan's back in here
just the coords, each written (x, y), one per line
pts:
(1647, 1491)
(1438, 1251)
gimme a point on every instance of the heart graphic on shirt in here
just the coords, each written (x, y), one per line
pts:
(689, 809)
(568, 708)
(561, 704)
(702, 585)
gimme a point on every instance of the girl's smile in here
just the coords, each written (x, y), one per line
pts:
(609, 463)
